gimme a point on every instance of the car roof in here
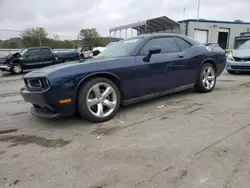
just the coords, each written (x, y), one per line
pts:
(148, 36)
(38, 47)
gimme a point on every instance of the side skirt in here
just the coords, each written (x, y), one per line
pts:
(159, 94)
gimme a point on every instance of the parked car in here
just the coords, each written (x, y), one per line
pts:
(35, 57)
(97, 50)
(85, 51)
(128, 71)
(239, 59)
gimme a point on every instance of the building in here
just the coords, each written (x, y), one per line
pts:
(211, 31)
(205, 31)
(155, 25)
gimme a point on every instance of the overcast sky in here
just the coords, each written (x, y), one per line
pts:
(67, 17)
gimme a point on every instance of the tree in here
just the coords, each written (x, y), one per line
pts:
(13, 45)
(91, 36)
(34, 36)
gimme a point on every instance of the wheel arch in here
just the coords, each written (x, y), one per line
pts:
(115, 79)
(211, 61)
(16, 61)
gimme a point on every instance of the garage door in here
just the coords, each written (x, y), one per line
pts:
(201, 36)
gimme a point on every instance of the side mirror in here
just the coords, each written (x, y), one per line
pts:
(153, 50)
(27, 55)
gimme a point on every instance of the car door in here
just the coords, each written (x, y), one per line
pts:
(87, 51)
(32, 59)
(47, 56)
(190, 67)
(163, 71)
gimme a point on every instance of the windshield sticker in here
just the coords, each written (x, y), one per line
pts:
(131, 41)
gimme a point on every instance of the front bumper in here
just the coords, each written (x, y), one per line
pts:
(4, 67)
(238, 66)
(46, 104)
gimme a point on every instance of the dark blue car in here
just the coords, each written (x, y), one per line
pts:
(126, 72)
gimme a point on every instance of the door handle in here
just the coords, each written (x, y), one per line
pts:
(180, 55)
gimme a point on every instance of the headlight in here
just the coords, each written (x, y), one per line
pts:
(36, 84)
(230, 56)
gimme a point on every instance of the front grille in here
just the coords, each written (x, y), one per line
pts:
(240, 67)
(241, 59)
(36, 84)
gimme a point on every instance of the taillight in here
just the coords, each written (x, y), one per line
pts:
(79, 55)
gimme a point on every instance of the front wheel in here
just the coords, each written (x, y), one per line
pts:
(98, 100)
(231, 72)
(16, 68)
(206, 79)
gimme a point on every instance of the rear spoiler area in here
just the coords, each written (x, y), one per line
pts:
(212, 44)
(216, 47)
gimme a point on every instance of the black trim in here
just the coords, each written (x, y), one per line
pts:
(159, 94)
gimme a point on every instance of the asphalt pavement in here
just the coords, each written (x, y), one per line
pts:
(187, 140)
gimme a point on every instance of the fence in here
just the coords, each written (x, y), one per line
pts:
(4, 52)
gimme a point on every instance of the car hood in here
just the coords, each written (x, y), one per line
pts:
(43, 72)
(10, 56)
(242, 53)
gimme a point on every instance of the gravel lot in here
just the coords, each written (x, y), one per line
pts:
(187, 140)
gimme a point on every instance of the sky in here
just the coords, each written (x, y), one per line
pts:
(67, 17)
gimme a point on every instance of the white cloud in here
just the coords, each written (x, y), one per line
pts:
(66, 18)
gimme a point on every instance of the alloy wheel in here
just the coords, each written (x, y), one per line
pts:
(101, 100)
(17, 69)
(208, 77)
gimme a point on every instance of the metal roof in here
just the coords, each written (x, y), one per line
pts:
(213, 21)
(162, 23)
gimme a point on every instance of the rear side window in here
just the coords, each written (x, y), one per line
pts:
(183, 45)
(167, 45)
(35, 52)
(45, 51)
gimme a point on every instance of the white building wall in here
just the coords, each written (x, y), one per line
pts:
(213, 30)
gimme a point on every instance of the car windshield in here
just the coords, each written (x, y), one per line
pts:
(245, 45)
(22, 52)
(121, 48)
(109, 44)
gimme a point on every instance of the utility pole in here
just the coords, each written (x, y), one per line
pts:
(198, 15)
(184, 11)
(39, 36)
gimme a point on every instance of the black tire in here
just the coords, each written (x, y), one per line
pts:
(66, 60)
(199, 86)
(82, 107)
(16, 68)
(231, 72)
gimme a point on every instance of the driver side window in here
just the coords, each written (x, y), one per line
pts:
(167, 45)
(34, 52)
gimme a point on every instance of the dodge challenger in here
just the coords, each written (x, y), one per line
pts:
(131, 70)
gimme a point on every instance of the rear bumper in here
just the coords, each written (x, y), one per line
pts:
(238, 66)
(46, 104)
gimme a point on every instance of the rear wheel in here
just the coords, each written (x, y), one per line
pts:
(16, 68)
(67, 60)
(98, 100)
(206, 79)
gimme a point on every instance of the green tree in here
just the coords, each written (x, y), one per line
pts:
(14, 45)
(91, 36)
(34, 36)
